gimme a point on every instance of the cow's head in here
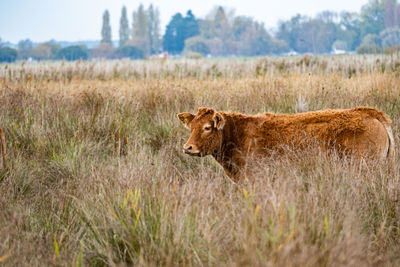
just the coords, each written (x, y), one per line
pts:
(206, 127)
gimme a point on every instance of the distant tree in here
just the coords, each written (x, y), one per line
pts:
(123, 27)
(154, 30)
(371, 39)
(74, 52)
(8, 54)
(24, 49)
(104, 50)
(372, 18)
(130, 51)
(174, 37)
(106, 29)
(304, 34)
(191, 25)
(279, 46)
(41, 52)
(350, 29)
(365, 49)
(140, 23)
(255, 41)
(390, 37)
(197, 44)
(397, 16)
(140, 30)
(290, 31)
(389, 16)
(371, 44)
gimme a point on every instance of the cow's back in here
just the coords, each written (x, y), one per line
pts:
(358, 131)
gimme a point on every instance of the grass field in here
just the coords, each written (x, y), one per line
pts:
(97, 175)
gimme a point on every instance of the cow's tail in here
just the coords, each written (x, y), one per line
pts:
(3, 149)
(390, 155)
(387, 123)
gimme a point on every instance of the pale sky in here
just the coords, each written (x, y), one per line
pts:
(75, 20)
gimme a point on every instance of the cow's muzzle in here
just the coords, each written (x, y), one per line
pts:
(191, 150)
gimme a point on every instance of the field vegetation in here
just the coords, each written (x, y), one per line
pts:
(97, 175)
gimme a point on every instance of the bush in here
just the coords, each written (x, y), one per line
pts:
(194, 55)
(371, 40)
(279, 46)
(392, 50)
(197, 45)
(104, 50)
(8, 54)
(130, 51)
(369, 49)
(74, 52)
(390, 37)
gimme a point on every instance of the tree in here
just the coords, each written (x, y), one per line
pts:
(154, 29)
(104, 50)
(140, 23)
(45, 51)
(140, 30)
(197, 44)
(290, 31)
(255, 41)
(304, 34)
(174, 38)
(191, 25)
(372, 18)
(106, 29)
(123, 27)
(390, 37)
(8, 54)
(279, 46)
(370, 45)
(24, 49)
(397, 16)
(389, 17)
(74, 52)
(350, 33)
(130, 51)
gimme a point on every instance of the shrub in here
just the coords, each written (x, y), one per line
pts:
(368, 49)
(198, 45)
(130, 51)
(8, 54)
(390, 37)
(194, 55)
(74, 52)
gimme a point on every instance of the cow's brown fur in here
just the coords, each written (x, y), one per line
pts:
(233, 138)
(3, 149)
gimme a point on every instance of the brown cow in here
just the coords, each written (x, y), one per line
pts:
(232, 137)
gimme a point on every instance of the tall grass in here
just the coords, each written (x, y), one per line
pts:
(97, 176)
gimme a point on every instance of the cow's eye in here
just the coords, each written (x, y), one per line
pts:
(207, 128)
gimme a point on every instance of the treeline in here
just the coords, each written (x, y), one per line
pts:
(375, 29)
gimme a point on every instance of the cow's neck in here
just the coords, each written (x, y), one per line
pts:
(231, 155)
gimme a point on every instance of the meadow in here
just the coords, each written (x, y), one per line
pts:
(97, 176)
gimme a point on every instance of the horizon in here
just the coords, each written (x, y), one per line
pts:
(86, 26)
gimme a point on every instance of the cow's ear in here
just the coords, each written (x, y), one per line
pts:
(186, 118)
(219, 120)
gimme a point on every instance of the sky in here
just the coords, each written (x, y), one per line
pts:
(77, 20)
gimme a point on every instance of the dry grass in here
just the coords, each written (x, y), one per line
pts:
(97, 176)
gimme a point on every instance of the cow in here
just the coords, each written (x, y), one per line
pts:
(3, 149)
(233, 138)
